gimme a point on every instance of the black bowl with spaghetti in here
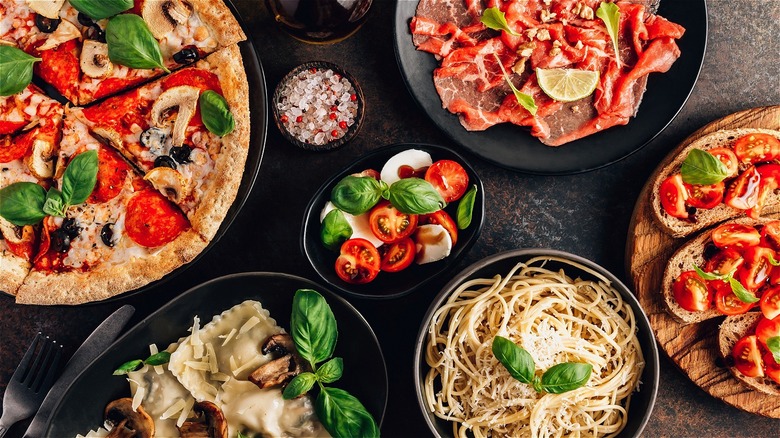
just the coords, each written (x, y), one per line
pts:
(567, 303)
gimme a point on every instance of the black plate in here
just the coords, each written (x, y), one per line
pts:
(513, 147)
(388, 285)
(365, 375)
(642, 402)
(258, 109)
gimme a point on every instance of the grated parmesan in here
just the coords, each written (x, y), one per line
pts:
(173, 409)
(153, 350)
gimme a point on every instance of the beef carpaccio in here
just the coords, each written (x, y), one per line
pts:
(552, 34)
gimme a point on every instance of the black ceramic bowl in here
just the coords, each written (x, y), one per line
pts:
(642, 402)
(388, 285)
(365, 375)
(351, 131)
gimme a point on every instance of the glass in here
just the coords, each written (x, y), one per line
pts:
(320, 21)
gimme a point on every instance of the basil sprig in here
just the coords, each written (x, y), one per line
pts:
(525, 100)
(335, 229)
(26, 203)
(773, 344)
(466, 208)
(560, 378)
(610, 15)
(739, 290)
(415, 196)
(494, 18)
(702, 168)
(160, 358)
(130, 43)
(16, 70)
(357, 194)
(216, 114)
(314, 332)
(100, 9)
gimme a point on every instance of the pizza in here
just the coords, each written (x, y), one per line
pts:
(100, 199)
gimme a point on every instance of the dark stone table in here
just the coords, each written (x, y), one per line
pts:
(587, 214)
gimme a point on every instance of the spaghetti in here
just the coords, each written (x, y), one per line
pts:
(556, 319)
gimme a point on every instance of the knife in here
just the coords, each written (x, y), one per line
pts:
(95, 344)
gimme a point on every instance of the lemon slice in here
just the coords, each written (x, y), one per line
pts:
(567, 84)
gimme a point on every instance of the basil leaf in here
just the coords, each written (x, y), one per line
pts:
(525, 100)
(80, 177)
(356, 195)
(16, 70)
(216, 114)
(335, 229)
(773, 344)
(331, 370)
(566, 377)
(516, 360)
(537, 384)
(494, 18)
(610, 15)
(54, 204)
(241, 435)
(343, 415)
(743, 294)
(709, 275)
(128, 366)
(22, 203)
(702, 168)
(299, 385)
(415, 196)
(313, 326)
(100, 9)
(158, 358)
(130, 43)
(466, 208)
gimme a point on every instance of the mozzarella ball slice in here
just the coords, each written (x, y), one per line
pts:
(360, 226)
(414, 158)
(433, 243)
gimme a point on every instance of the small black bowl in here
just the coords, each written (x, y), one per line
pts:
(351, 131)
(388, 285)
(642, 401)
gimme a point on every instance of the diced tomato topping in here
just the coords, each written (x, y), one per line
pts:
(726, 302)
(735, 236)
(673, 194)
(724, 262)
(705, 196)
(757, 148)
(755, 271)
(728, 158)
(743, 192)
(766, 329)
(771, 367)
(747, 357)
(770, 302)
(691, 292)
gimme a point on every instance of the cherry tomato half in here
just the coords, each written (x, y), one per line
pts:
(705, 196)
(747, 357)
(770, 179)
(770, 235)
(449, 178)
(445, 220)
(726, 302)
(397, 256)
(767, 328)
(735, 236)
(390, 225)
(724, 262)
(757, 148)
(770, 302)
(673, 194)
(728, 158)
(691, 292)
(742, 193)
(358, 262)
(755, 271)
(771, 367)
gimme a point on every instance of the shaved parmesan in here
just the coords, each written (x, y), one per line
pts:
(185, 412)
(173, 409)
(220, 377)
(251, 322)
(197, 365)
(153, 350)
(138, 397)
(213, 366)
(229, 336)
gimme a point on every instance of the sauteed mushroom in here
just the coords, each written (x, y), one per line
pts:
(126, 422)
(209, 422)
(276, 372)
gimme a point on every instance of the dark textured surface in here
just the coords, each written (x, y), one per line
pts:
(585, 214)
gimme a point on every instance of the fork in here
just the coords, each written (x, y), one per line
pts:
(30, 383)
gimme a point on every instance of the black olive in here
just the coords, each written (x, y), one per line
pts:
(107, 234)
(164, 161)
(186, 55)
(46, 25)
(710, 250)
(84, 19)
(181, 154)
(71, 227)
(95, 33)
(60, 241)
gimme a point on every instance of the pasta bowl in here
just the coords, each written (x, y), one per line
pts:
(577, 284)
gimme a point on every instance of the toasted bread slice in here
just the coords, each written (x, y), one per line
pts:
(689, 255)
(704, 218)
(732, 330)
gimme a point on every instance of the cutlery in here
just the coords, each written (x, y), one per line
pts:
(93, 346)
(30, 383)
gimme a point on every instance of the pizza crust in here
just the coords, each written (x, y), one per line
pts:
(220, 19)
(14, 270)
(106, 281)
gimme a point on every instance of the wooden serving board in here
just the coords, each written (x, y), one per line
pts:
(694, 347)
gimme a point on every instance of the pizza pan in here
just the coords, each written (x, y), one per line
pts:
(365, 373)
(514, 148)
(642, 401)
(397, 284)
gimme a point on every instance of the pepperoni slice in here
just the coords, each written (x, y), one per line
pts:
(121, 112)
(114, 85)
(15, 148)
(205, 80)
(112, 172)
(7, 127)
(25, 248)
(152, 220)
(47, 258)
(60, 67)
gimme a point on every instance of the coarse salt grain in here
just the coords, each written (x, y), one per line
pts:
(318, 106)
